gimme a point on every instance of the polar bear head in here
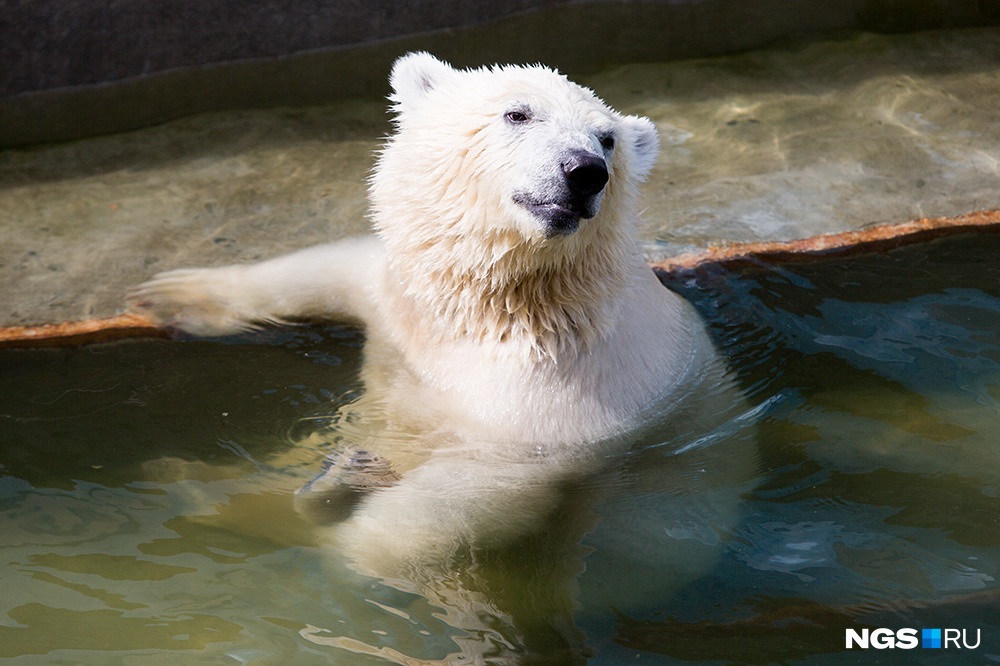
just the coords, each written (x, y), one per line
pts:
(498, 175)
(519, 148)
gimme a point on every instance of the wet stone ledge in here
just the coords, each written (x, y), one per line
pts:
(767, 146)
(851, 243)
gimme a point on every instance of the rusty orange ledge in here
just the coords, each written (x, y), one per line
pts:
(80, 332)
(848, 243)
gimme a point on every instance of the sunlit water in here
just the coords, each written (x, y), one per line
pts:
(775, 144)
(873, 386)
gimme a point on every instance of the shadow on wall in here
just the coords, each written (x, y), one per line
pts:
(75, 68)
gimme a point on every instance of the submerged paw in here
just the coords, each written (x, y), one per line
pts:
(346, 476)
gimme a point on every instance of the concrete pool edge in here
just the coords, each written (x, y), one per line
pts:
(847, 243)
(72, 333)
(868, 240)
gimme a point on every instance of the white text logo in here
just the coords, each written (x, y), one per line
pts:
(907, 639)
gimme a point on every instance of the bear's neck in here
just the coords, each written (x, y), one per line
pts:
(552, 300)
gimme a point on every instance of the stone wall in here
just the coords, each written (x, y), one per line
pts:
(75, 68)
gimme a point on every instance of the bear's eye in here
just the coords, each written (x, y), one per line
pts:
(608, 142)
(517, 117)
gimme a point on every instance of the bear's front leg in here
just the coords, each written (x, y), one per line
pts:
(333, 281)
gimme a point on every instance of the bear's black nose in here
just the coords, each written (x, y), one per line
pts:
(586, 173)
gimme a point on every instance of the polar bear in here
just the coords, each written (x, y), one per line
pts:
(517, 341)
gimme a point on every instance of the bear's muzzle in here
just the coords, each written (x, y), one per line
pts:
(584, 177)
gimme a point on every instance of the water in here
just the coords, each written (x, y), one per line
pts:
(790, 143)
(776, 144)
(145, 496)
(878, 505)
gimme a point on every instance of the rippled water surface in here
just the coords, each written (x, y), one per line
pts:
(776, 144)
(145, 488)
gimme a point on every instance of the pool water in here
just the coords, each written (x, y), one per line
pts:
(145, 494)
(801, 139)
(878, 503)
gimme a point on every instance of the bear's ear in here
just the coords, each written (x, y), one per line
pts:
(645, 142)
(413, 76)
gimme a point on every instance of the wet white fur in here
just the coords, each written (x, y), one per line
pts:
(500, 320)
(498, 359)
